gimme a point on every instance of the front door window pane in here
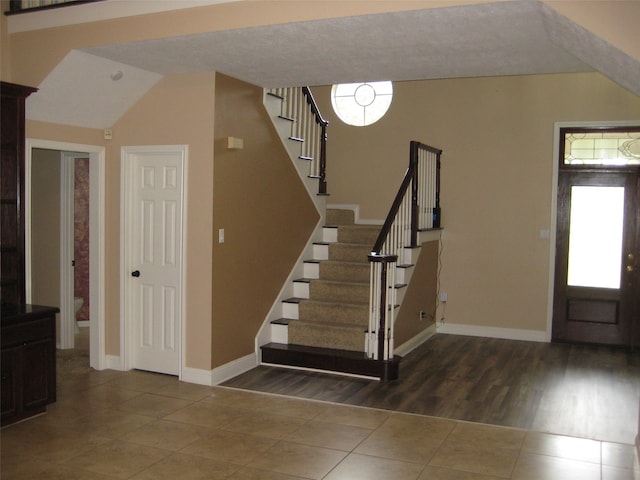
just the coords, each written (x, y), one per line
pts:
(595, 236)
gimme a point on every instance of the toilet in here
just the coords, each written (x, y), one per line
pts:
(77, 305)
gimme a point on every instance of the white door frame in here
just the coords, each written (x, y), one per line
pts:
(126, 193)
(96, 153)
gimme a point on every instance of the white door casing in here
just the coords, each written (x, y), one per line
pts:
(152, 298)
(96, 154)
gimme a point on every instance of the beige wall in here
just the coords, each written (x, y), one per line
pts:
(179, 110)
(265, 211)
(420, 296)
(497, 137)
(45, 232)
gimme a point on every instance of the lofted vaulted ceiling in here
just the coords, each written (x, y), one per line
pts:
(504, 38)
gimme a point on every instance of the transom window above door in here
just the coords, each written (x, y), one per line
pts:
(604, 147)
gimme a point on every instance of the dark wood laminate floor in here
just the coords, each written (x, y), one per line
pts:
(584, 391)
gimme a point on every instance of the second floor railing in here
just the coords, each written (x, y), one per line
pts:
(416, 207)
(19, 6)
(309, 127)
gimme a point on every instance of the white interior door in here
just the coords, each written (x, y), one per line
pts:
(153, 212)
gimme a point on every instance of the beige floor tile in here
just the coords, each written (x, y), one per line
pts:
(264, 424)
(281, 405)
(437, 428)
(439, 473)
(183, 390)
(531, 466)
(355, 416)
(614, 473)
(230, 447)
(103, 396)
(187, 467)
(573, 448)
(363, 467)
(481, 458)
(166, 434)
(298, 460)
(141, 381)
(487, 435)
(247, 473)
(330, 435)
(620, 455)
(153, 405)
(411, 445)
(109, 423)
(205, 414)
(49, 471)
(47, 442)
(118, 458)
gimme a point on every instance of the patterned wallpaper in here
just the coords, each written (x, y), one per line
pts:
(81, 220)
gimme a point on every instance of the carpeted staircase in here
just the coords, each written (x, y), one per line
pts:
(336, 313)
(330, 316)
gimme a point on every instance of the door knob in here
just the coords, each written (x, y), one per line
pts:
(135, 273)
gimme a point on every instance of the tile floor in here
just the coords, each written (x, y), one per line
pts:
(138, 425)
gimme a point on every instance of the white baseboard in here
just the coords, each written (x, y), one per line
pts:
(219, 374)
(494, 332)
(112, 362)
(416, 341)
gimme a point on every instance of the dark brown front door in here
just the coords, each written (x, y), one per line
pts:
(597, 247)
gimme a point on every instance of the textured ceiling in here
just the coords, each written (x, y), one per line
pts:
(504, 38)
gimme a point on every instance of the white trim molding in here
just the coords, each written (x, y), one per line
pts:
(96, 153)
(219, 374)
(493, 332)
(416, 341)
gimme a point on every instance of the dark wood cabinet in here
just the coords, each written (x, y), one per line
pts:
(12, 132)
(28, 368)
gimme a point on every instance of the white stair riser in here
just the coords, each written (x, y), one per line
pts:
(301, 289)
(321, 252)
(311, 270)
(290, 310)
(329, 234)
(279, 333)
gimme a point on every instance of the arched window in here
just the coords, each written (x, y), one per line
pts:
(361, 104)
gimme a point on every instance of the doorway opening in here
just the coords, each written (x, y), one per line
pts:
(598, 236)
(61, 249)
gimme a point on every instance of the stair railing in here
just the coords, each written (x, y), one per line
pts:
(309, 127)
(415, 208)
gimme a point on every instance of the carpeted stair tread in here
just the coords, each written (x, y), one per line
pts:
(363, 234)
(336, 216)
(349, 252)
(336, 335)
(345, 271)
(339, 292)
(344, 313)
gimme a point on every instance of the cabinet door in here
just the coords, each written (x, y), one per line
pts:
(9, 386)
(35, 369)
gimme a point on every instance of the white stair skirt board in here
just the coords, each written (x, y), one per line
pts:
(311, 270)
(219, 374)
(494, 332)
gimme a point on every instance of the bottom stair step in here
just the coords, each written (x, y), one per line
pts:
(341, 361)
